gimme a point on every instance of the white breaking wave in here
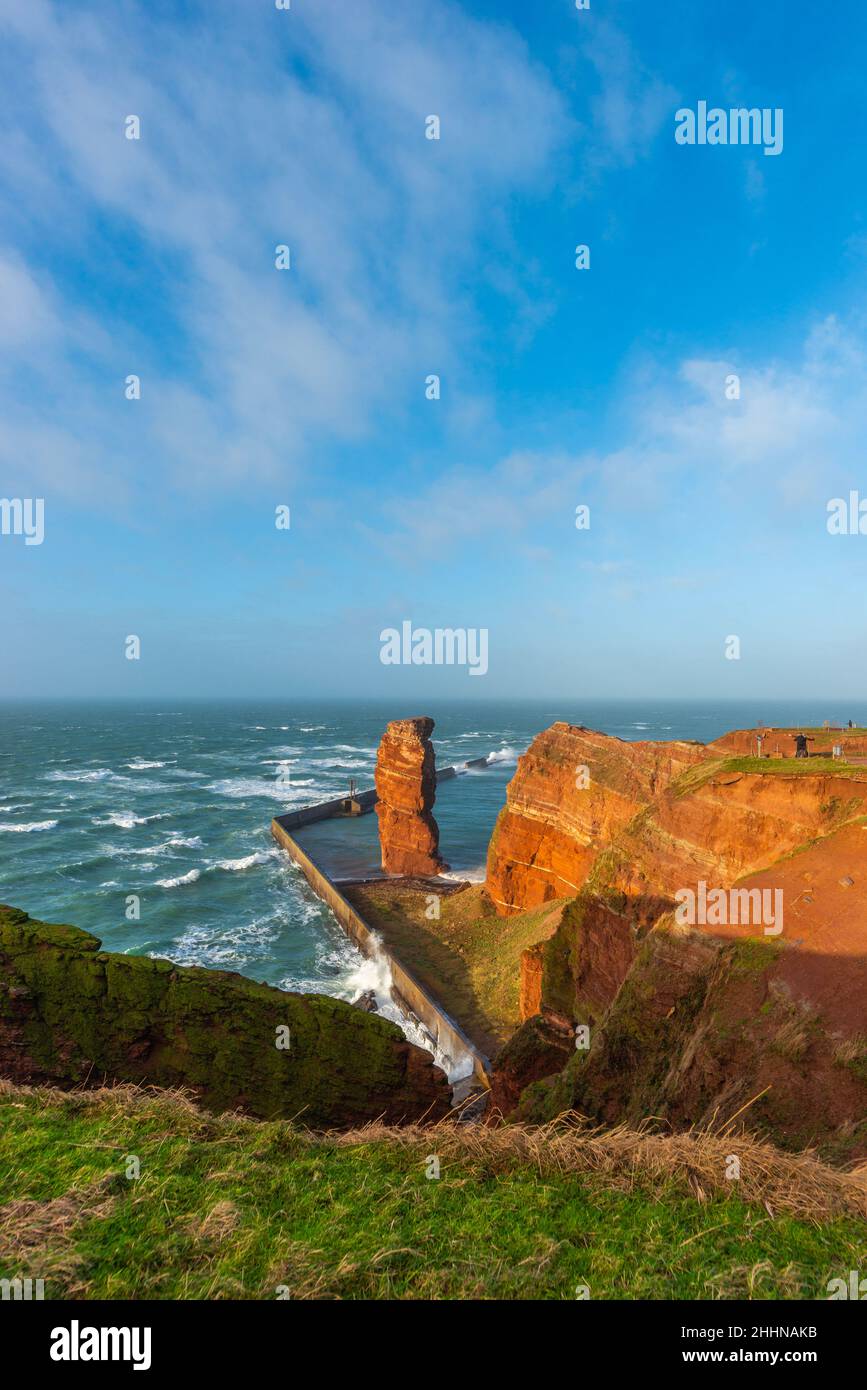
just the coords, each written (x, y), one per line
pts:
(33, 825)
(503, 755)
(236, 947)
(374, 973)
(191, 877)
(139, 765)
(476, 875)
(175, 842)
(105, 774)
(94, 774)
(234, 866)
(126, 820)
(239, 787)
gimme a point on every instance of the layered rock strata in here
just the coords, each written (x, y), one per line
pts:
(406, 788)
(572, 791)
(689, 1017)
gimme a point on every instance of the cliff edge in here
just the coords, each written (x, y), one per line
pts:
(72, 1014)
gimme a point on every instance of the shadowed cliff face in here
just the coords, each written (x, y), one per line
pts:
(705, 1031)
(406, 788)
(689, 1018)
(71, 1014)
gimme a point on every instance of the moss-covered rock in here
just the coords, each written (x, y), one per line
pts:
(72, 1014)
(705, 1031)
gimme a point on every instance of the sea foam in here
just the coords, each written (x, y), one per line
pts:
(32, 825)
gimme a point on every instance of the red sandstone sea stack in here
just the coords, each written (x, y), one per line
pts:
(406, 787)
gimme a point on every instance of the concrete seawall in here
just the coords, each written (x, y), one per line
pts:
(409, 993)
(324, 810)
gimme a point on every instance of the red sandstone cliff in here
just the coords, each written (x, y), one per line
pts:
(406, 787)
(687, 1022)
(573, 790)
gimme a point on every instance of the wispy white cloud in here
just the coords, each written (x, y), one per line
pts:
(792, 439)
(259, 127)
(631, 103)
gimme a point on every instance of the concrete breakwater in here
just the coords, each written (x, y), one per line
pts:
(362, 801)
(408, 992)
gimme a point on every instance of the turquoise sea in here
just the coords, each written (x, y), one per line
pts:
(171, 801)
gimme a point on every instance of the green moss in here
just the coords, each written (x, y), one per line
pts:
(633, 1046)
(753, 954)
(73, 1011)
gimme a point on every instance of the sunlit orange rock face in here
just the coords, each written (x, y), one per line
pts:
(691, 1018)
(573, 790)
(647, 818)
(406, 788)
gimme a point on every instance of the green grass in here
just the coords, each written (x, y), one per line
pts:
(694, 778)
(235, 1208)
(469, 958)
(795, 767)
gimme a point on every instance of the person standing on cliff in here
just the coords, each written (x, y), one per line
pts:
(801, 741)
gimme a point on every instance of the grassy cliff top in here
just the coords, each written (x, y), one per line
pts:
(694, 778)
(468, 957)
(227, 1207)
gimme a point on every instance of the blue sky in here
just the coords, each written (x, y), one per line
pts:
(306, 387)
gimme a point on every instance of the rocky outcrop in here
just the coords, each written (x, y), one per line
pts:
(406, 788)
(72, 1014)
(539, 1049)
(705, 1032)
(663, 1004)
(572, 791)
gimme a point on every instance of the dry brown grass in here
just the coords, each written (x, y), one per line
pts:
(26, 1225)
(48, 1229)
(850, 1050)
(797, 1184)
(218, 1225)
